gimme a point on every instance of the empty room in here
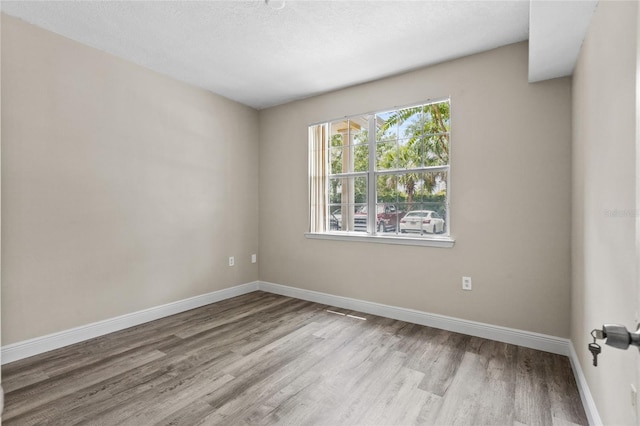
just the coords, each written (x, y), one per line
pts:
(306, 212)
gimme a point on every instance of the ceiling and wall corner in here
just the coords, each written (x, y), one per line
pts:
(263, 56)
(553, 21)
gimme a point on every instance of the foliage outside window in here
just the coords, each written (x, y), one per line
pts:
(385, 173)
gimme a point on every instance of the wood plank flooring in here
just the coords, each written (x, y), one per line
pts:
(263, 359)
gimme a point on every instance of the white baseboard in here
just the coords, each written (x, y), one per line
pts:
(38, 345)
(27, 348)
(527, 339)
(585, 394)
(557, 345)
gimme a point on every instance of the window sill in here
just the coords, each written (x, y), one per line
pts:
(443, 242)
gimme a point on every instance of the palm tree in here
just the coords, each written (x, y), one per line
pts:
(404, 155)
(425, 142)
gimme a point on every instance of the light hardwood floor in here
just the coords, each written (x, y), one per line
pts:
(265, 359)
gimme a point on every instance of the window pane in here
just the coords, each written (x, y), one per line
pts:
(358, 130)
(432, 187)
(437, 118)
(339, 217)
(386, 126)
(435, 150)
(408, 184)
(411, 187)
(425, 219)
(420, 134)
(347, 190)
(335, 160)
(335, 191)
(387, 189)
(409, 153)
(349, 158)
(338, 131)
(348, 217)
(346, 196)
(387, 218)
(361, 158)
(409, 122)
(387, 155)
(360, 188)
(360, 218)
(335, 217)
(349, 151)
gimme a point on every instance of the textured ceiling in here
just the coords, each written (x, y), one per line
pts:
(261, 56)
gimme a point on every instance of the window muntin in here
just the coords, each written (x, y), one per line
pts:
(403, 168)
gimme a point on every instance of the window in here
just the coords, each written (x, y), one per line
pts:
(382, 174)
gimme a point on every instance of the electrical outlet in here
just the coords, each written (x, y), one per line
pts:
(232, 261)
(254, 258)
(634, 396)
(466, 283)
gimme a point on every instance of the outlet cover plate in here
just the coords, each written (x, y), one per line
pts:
(466, 283)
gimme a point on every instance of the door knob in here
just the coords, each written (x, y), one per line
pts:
(616, 336)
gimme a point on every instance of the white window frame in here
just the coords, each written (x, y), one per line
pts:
(372, 174)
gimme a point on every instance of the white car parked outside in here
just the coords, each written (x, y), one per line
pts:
(422, 221)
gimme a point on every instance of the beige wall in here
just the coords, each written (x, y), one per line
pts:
(122, 189)
(510, 198)
(604, 202)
